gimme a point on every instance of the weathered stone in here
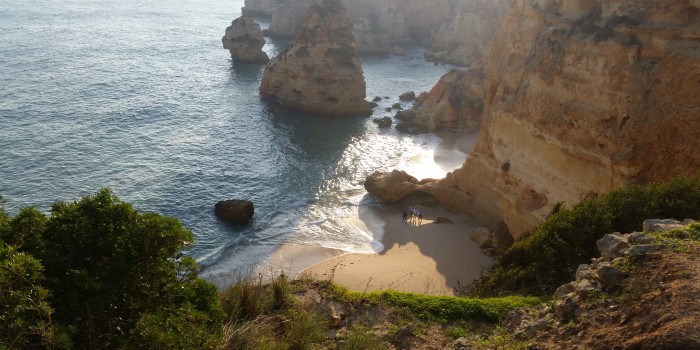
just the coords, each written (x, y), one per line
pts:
(376, 99)
(234, 211)
(585, 272)
(396, 106)
(642, 249)
(639, 238)
(653, 225)
(585, 288)
(612, 246)
(320, 71)
(609, 276)
(407, 96)
(461, 343)
(566, 309)
(384, 122)
(244, 39)
(563, 291)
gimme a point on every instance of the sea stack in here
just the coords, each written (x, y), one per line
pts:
(320, 71)
(244, 39)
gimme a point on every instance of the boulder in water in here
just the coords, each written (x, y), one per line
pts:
(234, 211)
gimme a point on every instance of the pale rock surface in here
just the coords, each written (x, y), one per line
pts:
(259, 7)
(320, 71)
(244, 39)
(584, 105)
(455, 102)
(464, 39)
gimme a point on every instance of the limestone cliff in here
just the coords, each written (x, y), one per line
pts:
(581, 97)
(244, 39)
(455, 102)
(465, 38)
(320, 71)
(377, 23)
(259, 7)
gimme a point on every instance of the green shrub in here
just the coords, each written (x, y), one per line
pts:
(549, 257)
(362, 338)
(305, 328)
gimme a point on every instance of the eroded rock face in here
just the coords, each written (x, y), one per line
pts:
(455, 102)
(244, 40)
(262, 7)
(464, 39)
(584, 97)
(377, 24)
(320, 71)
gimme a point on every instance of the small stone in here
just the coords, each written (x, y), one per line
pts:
(610, 277)
(653, 225)
(612, 245)
(234, 211)
(642, 249)
(566, 309)
(397, 106)
(384, 122)
(376, 99)
(639, 238)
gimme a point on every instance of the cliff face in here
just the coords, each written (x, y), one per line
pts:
(244, 40)
(262, 7)
(320, 71)
(581, 97)
(455, 102)
(465, 38)
(377, 24)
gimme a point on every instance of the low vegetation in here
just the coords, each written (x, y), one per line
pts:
(549, 257)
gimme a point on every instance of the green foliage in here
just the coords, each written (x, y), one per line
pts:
(108, 268)
(549, 257)
(362, 338)
(305, 328)
(183, 327)
(25, 314)
(435, 308)
(455, 332)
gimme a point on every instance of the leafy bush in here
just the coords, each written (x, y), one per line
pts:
(109, 271)
(361, 338)
(549, 257)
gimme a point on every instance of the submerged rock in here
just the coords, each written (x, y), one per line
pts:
(244, 40)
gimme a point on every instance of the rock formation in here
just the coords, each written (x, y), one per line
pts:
(581, 97)
(245, 40)
(320, 71)
(259, 7)
(465, 38)
(455, 102)
(234, 211)
(376, 24)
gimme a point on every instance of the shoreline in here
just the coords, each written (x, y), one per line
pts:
(429, 259)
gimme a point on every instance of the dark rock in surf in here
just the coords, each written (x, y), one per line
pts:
(234, 211)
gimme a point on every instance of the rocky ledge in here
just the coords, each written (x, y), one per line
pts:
(244, 39)
(640, 294)
(320, 71)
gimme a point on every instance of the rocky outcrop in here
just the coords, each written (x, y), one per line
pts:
(628, 299)
(234, 211)
(259, 7)
(581, 97)
(466, 37)
(376, 24)
(455, 102)
(244, 40)
(320, 71)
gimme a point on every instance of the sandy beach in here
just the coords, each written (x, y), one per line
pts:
(428, 258)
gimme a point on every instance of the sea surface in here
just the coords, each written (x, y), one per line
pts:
(140, 96)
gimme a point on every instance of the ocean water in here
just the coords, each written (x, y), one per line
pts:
(139, 96)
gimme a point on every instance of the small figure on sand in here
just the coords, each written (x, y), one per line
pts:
(413, 216)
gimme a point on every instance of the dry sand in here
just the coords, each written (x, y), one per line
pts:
(429, 258)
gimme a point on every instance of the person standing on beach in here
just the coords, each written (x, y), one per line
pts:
(420, 216)
(405, 215)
